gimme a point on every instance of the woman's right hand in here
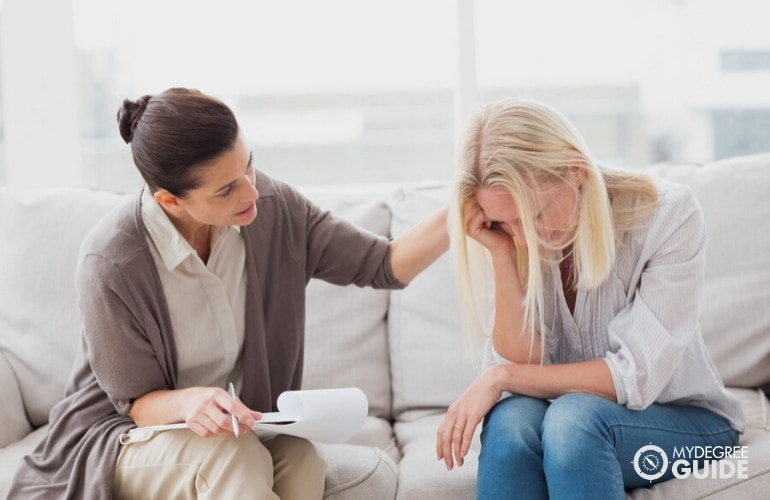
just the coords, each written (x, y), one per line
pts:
(210, 409)
(206, 410)
(487, 232)
(455, 433)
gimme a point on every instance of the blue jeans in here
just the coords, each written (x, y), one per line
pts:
(583, 446)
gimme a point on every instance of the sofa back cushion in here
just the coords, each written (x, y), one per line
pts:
(40, 235)
(346, 337)
(431, 360)
(735, 308)
(12, 414)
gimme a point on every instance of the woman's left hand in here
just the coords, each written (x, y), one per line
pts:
(455, 433)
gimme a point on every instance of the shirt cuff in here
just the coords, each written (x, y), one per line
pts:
(617, 380)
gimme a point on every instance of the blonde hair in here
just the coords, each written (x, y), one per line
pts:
(513, 144)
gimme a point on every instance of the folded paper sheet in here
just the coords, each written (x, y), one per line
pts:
(325, 415)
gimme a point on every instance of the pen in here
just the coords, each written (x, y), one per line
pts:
(234, 420)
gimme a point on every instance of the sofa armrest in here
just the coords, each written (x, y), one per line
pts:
(13, 419)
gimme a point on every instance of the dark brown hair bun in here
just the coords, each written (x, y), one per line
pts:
(128, 116)
(174, 133)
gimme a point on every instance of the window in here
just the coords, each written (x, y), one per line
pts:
(326, 92)
(640, 79)
(343, 91)
(741, 131)
(745, 60)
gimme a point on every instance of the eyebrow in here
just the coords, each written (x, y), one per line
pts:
(231, 183)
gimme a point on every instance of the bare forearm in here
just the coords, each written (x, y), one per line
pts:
(161, 407)
(511, 337)
(419, 246)
(551, 381)
(207, 410)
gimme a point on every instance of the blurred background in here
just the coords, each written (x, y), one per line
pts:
(356, 91)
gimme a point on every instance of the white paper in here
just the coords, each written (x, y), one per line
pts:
(324, 415)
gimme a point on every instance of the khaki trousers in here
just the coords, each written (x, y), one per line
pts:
(179, 464)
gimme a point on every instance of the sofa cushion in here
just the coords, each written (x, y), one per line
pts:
(346, 337)
(377, 433)
(13, 420)
(735, 315)
(12, 455)
(356, 472)
(431, 360)
(421, 476)
(41, 231)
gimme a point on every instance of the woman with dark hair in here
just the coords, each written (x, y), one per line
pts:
(186, 288)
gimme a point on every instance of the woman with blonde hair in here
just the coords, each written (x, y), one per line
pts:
(595, 367)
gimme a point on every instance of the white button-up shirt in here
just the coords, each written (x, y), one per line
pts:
(206, 301)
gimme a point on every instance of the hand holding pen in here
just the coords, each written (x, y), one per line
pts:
(233, 419)
(207, 411)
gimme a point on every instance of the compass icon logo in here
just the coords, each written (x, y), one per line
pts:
(650, 462)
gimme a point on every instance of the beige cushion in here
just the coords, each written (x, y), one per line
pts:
(735, 318)
(13, 420)
(364, 466)
(41, 231)
(421, 476)
(346, 342)
(431, 360)
(358, 472)
(12, 455)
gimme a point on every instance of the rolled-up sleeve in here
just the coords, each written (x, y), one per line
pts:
(336, 250)
(648, 339)
(491, 357)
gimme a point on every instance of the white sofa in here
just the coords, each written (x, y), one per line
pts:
(404, 348)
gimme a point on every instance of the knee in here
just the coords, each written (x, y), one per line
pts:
(512, 427)
(573, 425)
(246, 450)
(300, 469)
(297, 454)
(231, 465)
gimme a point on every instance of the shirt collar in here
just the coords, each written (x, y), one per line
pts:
(171, 245)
